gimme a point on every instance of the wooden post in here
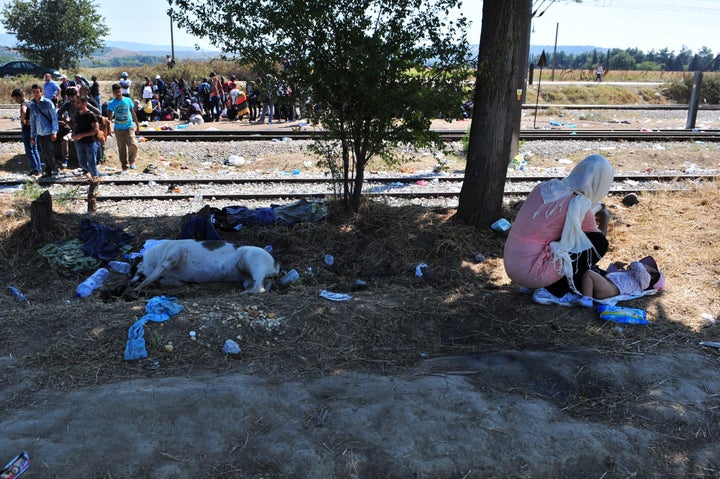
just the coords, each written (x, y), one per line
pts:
(92, 196)
(41, 215)
(694, 101)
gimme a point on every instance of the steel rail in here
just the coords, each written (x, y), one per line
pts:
(564, 134)
(671, 180)
(325, 195)
(123, 180)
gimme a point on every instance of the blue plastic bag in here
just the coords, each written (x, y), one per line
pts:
(620, 314)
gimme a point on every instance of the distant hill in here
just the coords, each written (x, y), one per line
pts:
(568, 49)
(147, 53)
(115, 50)
(536, 50)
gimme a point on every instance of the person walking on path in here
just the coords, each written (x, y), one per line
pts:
(31, 151)
(43, 130)
(599, 72)
(121, 113)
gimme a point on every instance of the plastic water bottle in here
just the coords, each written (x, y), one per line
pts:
(231, 347)
(290, 277)
(119, 267)
(96, 280)
(17, 293)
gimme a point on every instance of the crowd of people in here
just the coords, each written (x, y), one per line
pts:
(214, 97)
(73, 109)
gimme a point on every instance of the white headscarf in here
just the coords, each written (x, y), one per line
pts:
(590, 180)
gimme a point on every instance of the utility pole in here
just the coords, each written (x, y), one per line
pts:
(552, 75)
(172, 42)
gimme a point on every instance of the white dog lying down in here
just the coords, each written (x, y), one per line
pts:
(175, 262)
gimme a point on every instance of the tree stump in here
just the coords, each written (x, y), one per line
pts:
(92, 196)
(41, 215)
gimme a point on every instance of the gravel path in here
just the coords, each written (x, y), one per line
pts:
(291, 158)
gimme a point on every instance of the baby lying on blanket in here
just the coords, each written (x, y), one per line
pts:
(639, 278)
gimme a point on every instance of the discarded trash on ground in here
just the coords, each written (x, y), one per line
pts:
(621, 314)
(334, 296)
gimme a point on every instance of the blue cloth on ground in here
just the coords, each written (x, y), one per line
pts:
(199, 228)
(239, 216)
(158, 309)
(102, 241)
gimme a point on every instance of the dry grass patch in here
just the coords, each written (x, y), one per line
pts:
(459, 306)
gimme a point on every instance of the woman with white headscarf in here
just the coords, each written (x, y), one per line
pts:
(559, 232)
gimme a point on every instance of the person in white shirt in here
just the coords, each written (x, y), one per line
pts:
(125, 84)
(599, 72)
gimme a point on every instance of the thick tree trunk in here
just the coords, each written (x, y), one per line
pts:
(357, 191)
(495, 130)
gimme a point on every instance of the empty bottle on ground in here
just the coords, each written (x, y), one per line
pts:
(92, 283)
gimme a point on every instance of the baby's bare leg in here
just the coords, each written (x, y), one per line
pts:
(598, 286)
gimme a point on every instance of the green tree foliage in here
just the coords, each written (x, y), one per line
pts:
(377, 71)
(621, 61)
(635, 59)
(55, 33)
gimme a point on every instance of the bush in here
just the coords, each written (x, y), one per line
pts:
(552, 96)
(651, 95)
(578, 95)
(711, 88)
(679, 90)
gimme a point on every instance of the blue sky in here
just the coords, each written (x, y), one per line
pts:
(644, 24)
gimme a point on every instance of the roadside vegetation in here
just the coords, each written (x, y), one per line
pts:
(675, 87)
(663, 60)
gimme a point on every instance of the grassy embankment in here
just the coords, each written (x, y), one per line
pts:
(550, 91)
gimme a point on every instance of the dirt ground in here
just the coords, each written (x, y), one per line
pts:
(452, 374)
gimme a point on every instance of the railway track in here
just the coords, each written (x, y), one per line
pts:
(407, 187)
(563, 133)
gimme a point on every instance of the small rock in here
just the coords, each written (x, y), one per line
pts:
(630, 200)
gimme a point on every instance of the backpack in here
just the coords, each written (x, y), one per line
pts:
(103, 129)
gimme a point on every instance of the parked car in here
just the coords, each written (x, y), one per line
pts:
(24, 67)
